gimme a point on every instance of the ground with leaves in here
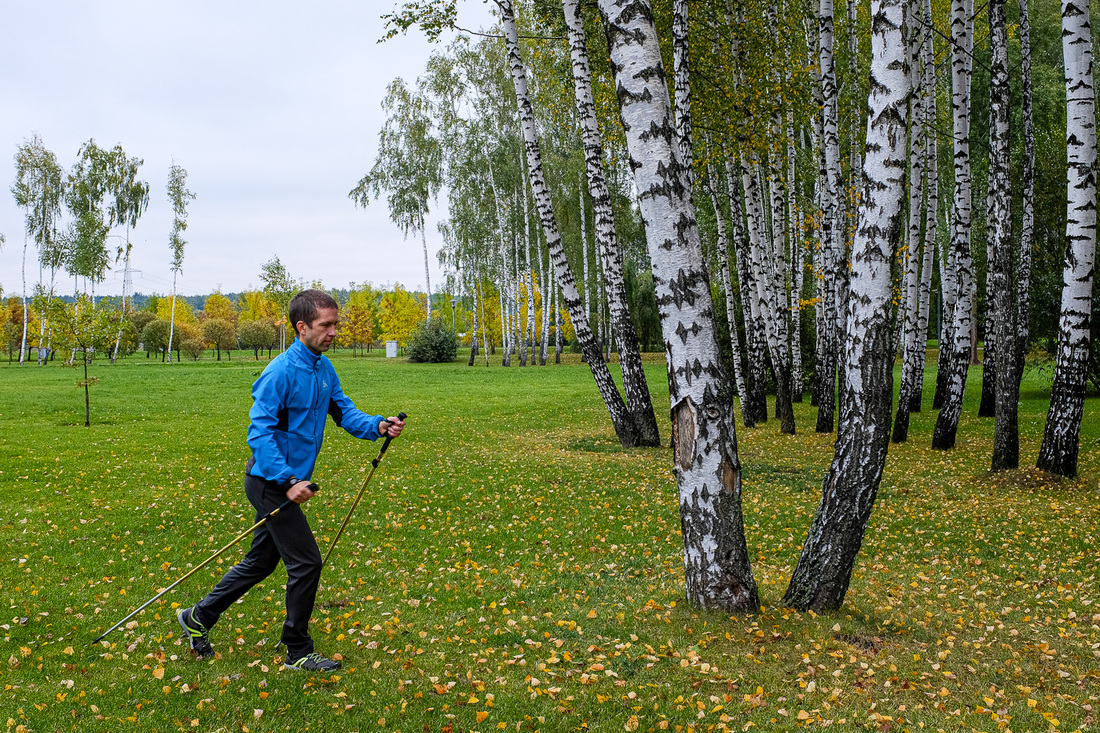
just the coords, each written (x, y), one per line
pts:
(512, 568)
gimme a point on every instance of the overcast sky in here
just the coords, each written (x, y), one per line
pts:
(272, 107)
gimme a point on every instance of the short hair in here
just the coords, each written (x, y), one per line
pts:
(304, 306)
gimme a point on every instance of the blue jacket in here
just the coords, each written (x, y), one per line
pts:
(290, 402)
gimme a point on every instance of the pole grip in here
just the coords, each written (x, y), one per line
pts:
(386, 444)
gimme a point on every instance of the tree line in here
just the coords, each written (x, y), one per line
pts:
(804, 182)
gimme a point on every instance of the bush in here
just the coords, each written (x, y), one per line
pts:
(432, 342)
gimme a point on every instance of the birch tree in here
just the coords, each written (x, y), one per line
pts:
(960, 265)
(1002, 298)
(1062, 436)
(39, 190)
(408, 167)
(1027, 224)
(718, 573)
(178, 196)
(620, 417)
(635, 385)
(911, 252)
(820, 581)
(832, 227)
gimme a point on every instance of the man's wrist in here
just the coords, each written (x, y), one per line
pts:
(383, 430)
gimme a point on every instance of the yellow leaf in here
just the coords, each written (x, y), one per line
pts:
(481, 716)
(158, 673)
(592, 613)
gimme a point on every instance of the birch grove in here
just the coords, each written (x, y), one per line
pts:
(779, 210)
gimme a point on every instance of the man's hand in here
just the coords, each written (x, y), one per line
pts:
(391, 426)
(300, 492)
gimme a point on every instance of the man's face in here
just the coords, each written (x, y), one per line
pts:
(318, 337)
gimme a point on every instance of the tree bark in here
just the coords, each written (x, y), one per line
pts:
(1006, 435)
(718, 573)
(1027, 225)
(932, 206)
(1062, 436)
(958, 361)
(820, 581)
(832, 225)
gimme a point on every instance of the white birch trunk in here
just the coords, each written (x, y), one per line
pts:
(23, 343)
(1062, 436)
(681, 67)
(1027, 226)
(718, 573)
(958, 361)
(172, 320)
(427, 275)
(910, 314)
(832, 243)
(727, 283)
(547, 287)
(931, 218)
(1002, 295)
(824, 569)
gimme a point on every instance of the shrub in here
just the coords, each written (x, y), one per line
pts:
(432, 342)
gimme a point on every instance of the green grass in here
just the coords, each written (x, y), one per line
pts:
(512, 568)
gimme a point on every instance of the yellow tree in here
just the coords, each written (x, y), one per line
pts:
(400, 312)
(253, 305)
(219, 306)
(184, 313)
(360, 317)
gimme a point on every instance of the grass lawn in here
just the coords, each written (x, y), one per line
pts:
(511, 568)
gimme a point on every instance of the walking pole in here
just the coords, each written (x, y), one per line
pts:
(374, 465)
(194, 570)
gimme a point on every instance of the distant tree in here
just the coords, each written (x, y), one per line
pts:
(139, 320)
(359, 317)
(253, 305)
(217, 305)
(400, 312)
(86, 330)
(178, 196)
(13, 325)
(220, 334)
(39, 189)
(279, 287)
(256, 335)
(193, 347)
(155, 337)
(176, 311)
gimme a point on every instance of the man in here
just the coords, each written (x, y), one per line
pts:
(291, 400)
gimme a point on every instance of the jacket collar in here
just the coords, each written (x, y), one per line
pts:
(302, 353)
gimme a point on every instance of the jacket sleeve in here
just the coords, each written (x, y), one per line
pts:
(349, 417)
(269, 414)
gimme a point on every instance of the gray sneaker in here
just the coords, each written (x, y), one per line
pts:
(197, 634)
(313, 662)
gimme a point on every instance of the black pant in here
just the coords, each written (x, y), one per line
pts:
(286, 537)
